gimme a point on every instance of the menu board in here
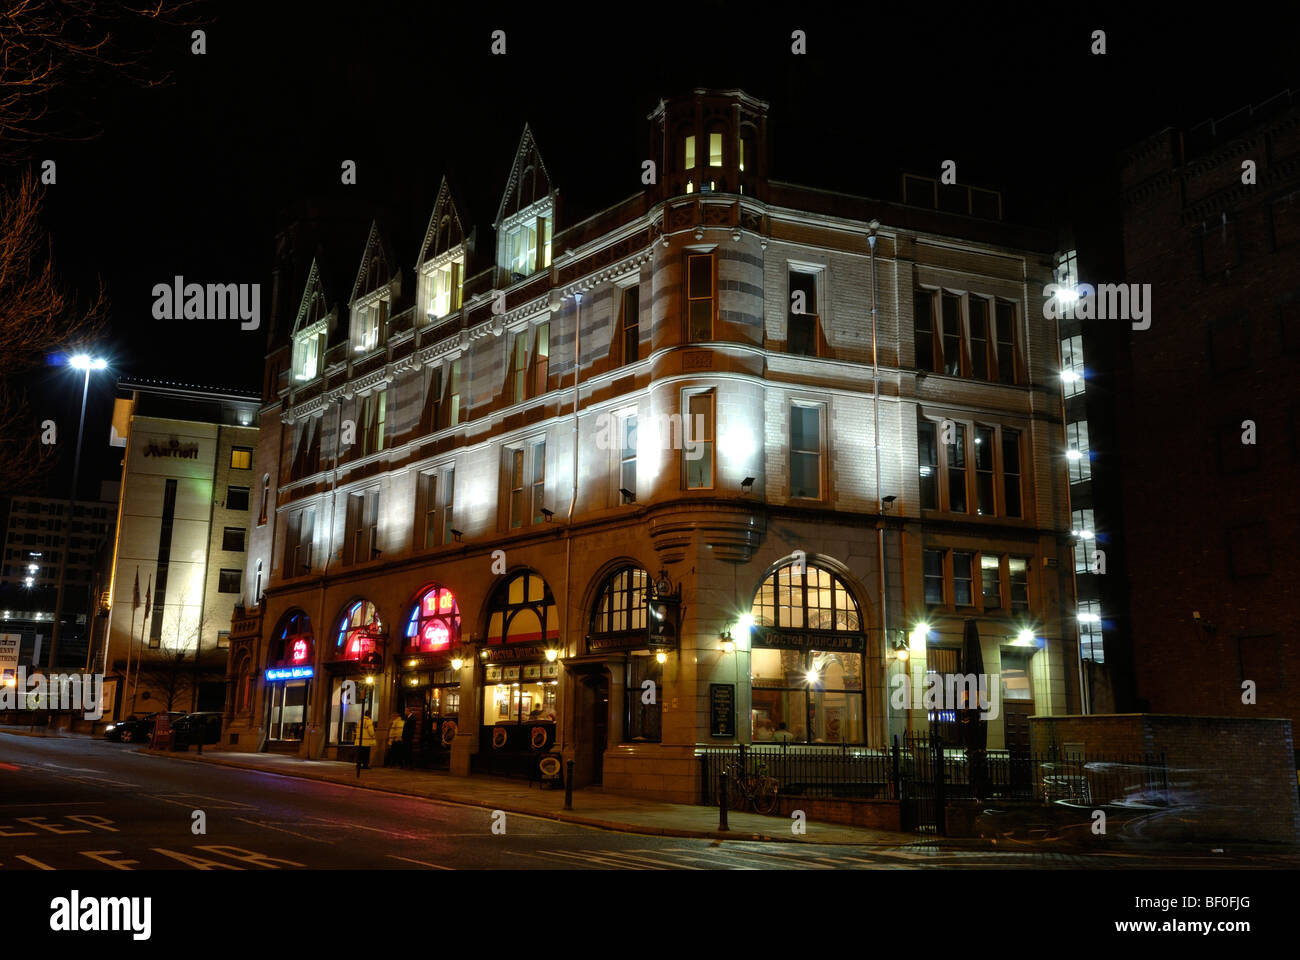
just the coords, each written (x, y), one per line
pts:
(722, 709)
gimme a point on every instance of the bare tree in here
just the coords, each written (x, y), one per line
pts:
(53, 53)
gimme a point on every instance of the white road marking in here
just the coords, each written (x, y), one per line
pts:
(436, 866)
(268, 826)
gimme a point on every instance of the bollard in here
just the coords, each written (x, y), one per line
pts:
(722, 803)
(568, 787)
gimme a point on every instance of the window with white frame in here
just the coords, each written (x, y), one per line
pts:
(444, 285)
(308, 345)
(806, 445)
(803, 318)
(1085, 546)
(370, 325)
(1090, 639)
(1077, 451)
(697, 441)
(299, 536)
(527, 468)
(434, 501)
(523, 241)
(362, 543)
(627, 456)
(1072, 365)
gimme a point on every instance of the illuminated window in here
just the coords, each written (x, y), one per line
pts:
(292, 642)
(1077, 451)
(241, 458)
(806, 599)
(307, 347)
(445, 287)
(715, 149)
(690, 153)
(621, 603)
(955, 457)
(522, 243)
(1018, 570)
(358, 630)
(699, 296)
(1072, 375)
(1085, 546)
(523, 611)
(991, 577)
(434, 623)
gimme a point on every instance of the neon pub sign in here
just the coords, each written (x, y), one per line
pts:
(434, 624)
(288, 673)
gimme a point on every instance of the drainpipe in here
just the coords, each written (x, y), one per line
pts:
(573, 500)
(872, 227)
(317, 635)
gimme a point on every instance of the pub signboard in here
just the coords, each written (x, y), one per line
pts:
(722, 709)
(782, 639)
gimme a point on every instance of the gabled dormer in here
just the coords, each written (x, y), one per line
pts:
(378, 284)
(440, 267)
(311, 328)
(526, 217)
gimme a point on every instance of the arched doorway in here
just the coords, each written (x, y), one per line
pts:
(807, 658)
(289, 673)
(521, 674)
(429, 676)
(354, 666)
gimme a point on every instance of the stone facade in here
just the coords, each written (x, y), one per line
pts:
(718, 527)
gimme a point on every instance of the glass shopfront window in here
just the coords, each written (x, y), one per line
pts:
(806, 660)
(520, 693)
(346, 711)
(357, 630)
(288, 707)
(807, 696)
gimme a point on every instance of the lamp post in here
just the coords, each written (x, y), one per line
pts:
(86, 363)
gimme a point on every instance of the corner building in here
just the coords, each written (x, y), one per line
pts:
(440, 526)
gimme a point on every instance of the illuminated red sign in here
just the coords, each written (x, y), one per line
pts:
(299, 651)
(436, 635)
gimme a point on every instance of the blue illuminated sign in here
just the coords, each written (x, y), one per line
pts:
(288, 673)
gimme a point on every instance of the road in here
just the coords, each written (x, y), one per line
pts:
(75, 804)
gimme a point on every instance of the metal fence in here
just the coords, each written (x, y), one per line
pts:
(924, 773)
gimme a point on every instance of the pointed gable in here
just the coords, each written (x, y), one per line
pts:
(314, 306)
(378, 265)
(528, 183)
(445, 230)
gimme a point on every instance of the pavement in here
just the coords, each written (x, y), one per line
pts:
(592, 806)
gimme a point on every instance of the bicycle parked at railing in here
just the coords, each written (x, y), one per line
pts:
(756, 789)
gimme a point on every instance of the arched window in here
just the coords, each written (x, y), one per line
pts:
(805, 597)
(358, 628)
(292, 639)
(621, 605)
(806, 661)
(523, 611)
(434, 624)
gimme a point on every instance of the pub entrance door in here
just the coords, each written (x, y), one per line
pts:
(597, 697)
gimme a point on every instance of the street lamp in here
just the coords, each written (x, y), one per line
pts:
(87, 363)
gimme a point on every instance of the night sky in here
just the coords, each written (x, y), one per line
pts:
(191, 178)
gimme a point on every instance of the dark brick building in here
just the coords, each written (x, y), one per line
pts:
(1212, 222)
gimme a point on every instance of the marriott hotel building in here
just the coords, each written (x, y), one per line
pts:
(798, 424)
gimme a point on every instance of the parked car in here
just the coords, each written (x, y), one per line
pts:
(203, 727)
(136, 729)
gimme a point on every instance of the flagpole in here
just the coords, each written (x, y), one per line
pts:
(130, 636)
(148, 603)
